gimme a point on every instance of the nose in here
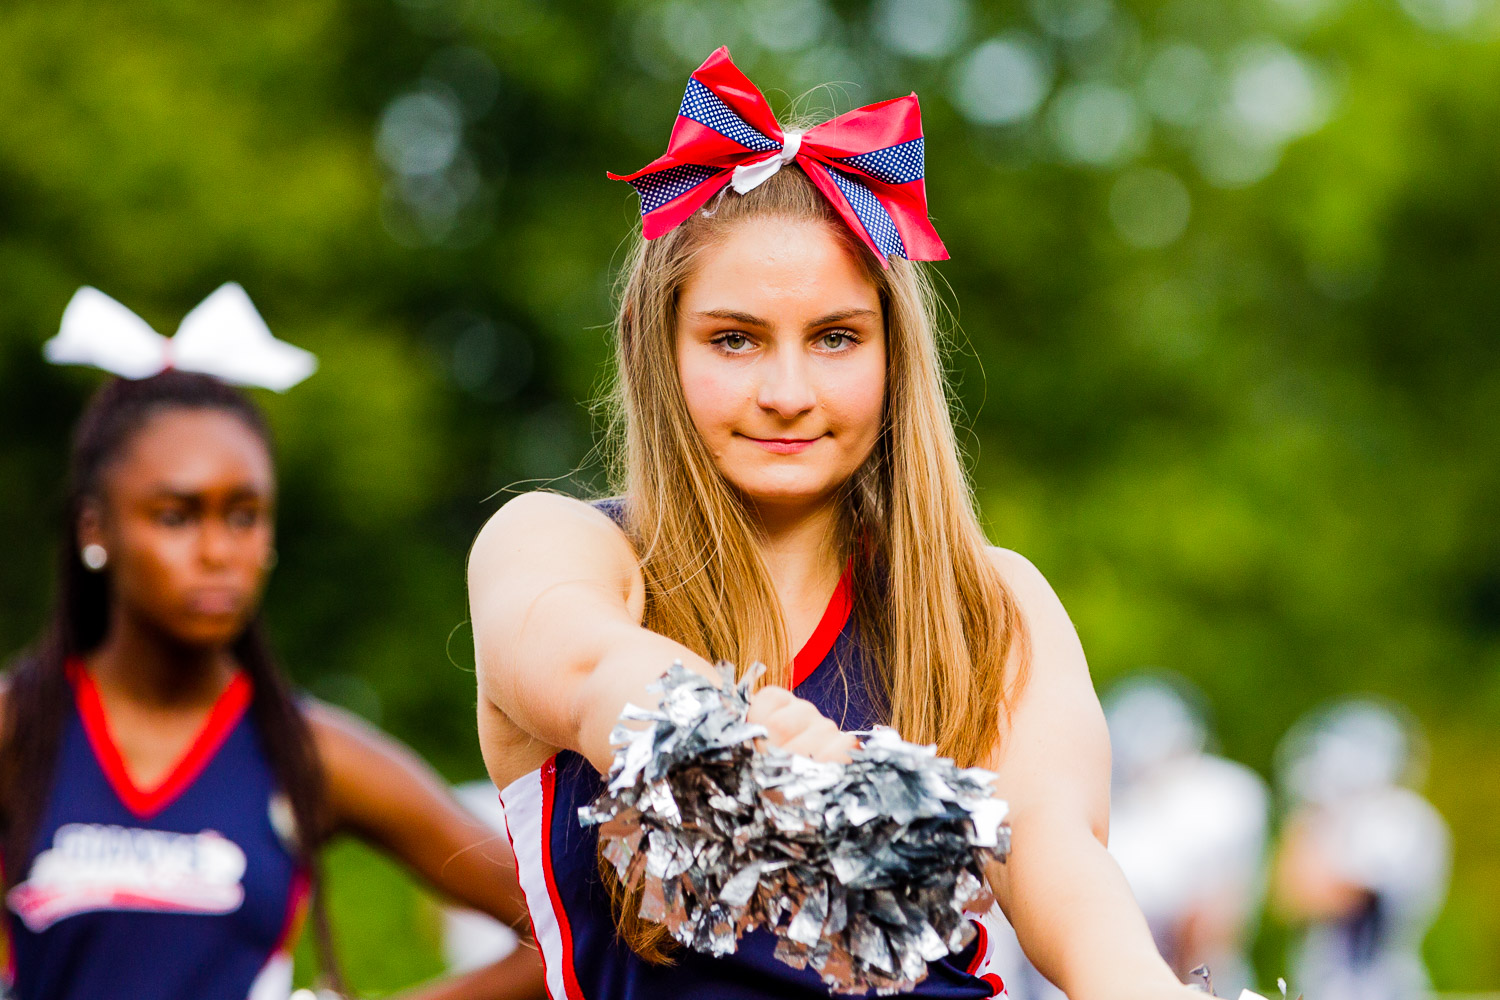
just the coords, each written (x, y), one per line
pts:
(786, 386)
(215, 543)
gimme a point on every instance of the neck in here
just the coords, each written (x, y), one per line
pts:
(801, 550)
(143, 664)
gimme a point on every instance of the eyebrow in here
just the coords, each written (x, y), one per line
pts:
(747, 319)
(174, 494)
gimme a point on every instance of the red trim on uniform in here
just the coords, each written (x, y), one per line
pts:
(10, 942)
(291, 925)
(982, 948)
(296, 909)
(226, 713)
(835, 617)
(549, 786)
(996, 983)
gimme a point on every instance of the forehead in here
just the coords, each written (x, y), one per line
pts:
(772, 266)
(193, 451)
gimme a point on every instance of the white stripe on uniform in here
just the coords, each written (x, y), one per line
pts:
(522, 800)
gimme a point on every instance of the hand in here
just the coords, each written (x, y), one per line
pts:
(797, 726)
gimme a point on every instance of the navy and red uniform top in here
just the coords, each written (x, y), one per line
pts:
(186, 891)
(571, 915)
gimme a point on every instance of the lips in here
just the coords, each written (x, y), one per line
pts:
(215, 601)
(784, 446)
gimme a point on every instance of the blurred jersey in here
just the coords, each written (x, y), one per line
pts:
(186, 891)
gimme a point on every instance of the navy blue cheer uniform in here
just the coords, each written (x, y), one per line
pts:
(556, 860)
(182, 892)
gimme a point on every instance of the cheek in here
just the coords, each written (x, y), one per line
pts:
(151, 567)
(856, 398)
(714, 392)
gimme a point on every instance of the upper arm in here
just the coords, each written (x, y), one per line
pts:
(383, 793)
(557, 599)
(551, 581)
(1053, 757)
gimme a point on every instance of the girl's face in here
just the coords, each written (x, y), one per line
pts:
(781, 351)
(187, 520)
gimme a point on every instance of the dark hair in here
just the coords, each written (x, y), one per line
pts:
(39, 694)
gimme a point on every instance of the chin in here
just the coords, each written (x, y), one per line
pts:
(779, 492)
(210, 633)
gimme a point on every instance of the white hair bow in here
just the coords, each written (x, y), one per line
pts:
(223, 336)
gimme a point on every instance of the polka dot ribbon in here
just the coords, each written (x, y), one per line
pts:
(868, 162)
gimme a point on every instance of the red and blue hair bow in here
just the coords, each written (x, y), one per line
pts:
(867, 162)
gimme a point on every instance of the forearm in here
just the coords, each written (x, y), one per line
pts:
(1076, 919)
(623, 675)
(565, 683)
(518, 976)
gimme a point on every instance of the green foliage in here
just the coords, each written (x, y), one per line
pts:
(1260, 451)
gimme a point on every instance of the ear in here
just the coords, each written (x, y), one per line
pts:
(90, 526)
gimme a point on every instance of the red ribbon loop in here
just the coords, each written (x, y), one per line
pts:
(867, 162)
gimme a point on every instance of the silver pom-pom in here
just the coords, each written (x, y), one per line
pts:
(865, 871)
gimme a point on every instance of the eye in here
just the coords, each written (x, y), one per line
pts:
(171, 517)
(734, 342)
(244, 517)
(837, 340)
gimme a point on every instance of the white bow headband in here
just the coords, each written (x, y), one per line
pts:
(224, 337)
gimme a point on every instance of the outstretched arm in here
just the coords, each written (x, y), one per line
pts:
(381, 792)
(557, 597)
(1068, 901)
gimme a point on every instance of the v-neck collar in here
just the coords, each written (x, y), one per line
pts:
(226, 713)
(818, 645)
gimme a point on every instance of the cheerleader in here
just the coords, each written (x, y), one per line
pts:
(1363, 864)
(163, 791)
(791, 493)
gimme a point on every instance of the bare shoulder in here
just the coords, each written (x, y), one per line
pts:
(1039, 602)
(543, 513)
(1055, 727)
(343, 738)
(1053, 662)
(333, 724)
(551, 534)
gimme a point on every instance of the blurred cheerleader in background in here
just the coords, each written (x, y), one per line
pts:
(1364, 860)
(163, 791)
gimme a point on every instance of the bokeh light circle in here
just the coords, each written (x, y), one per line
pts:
(1097, 123)
(1150, 207)
(1004, 80)
(1178, 85)
(926, 29)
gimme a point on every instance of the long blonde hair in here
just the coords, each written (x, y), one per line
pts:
(937, 623)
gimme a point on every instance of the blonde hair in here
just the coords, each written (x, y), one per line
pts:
(936, 621)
